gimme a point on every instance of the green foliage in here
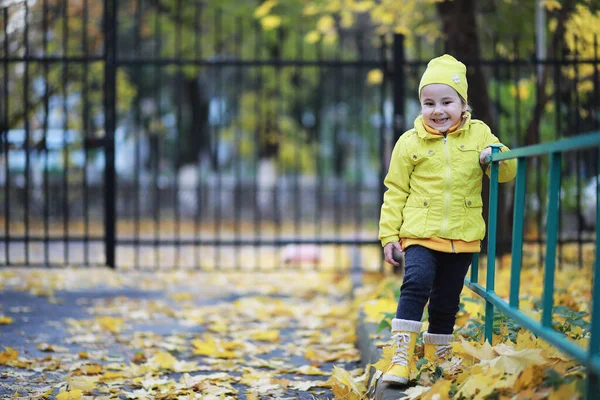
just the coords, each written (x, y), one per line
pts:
(516, 101)
(386, 322)
(565, 319)
(438, 373)
(505, 326)
(502, 325)
(453, 390)
(421, 363)
(555, 380)
(265, 112)
(571, 319)
(569, 187)
(472, 329)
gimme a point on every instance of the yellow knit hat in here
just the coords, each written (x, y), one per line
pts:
(447, 70)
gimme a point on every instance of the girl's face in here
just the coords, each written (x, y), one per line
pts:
(441, 106)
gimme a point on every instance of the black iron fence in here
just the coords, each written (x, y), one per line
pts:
(158, 136)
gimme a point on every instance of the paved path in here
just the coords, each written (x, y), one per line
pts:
(265, 334)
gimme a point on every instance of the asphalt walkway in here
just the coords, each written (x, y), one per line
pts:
(209, 335)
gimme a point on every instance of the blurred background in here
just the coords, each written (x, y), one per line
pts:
(256, 134)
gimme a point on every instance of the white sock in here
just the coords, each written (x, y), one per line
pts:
(406, 325)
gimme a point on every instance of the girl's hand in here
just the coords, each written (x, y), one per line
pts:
(388, 252)
(485, 152)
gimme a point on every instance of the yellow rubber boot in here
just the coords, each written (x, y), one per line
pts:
(437, 347)
(404, 338)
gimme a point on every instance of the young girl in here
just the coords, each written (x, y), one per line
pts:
(432, 210)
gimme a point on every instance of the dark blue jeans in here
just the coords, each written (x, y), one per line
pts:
(437, 277)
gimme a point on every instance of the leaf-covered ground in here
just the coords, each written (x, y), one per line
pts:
(517, 365)
(96, 333)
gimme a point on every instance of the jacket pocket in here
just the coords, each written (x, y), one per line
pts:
(421, 155)
(467, 157)
(468, 152)
(474, 225)
(415, 215)
(425, 159)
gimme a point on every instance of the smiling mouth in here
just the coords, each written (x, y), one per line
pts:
(440, 120)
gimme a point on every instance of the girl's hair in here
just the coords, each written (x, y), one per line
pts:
(467, 105)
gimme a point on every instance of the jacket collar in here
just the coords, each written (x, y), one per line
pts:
(423, 134)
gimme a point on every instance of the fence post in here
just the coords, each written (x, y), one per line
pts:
(592, 387)
(552, 225)
(110, 53)
(491, 255)
(399, 79)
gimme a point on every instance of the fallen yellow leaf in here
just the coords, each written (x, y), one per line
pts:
(321, 355)
(373, 309)
(251, 395)
(439, 390)
(92, 369)
(111, 324)
(70, 395)
(163, 360)
(211, 348)
(110, 375)
(182, 296)
(511, 361)
(530, 376)
(565, 392)
(9, 354)
(84, 383)
(385, 360)
(478, 386)
(266, 336)
(311, 370)
(475, 350)
(525, 339)
(344, 386)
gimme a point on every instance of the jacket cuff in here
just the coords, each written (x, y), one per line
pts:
(389, 239)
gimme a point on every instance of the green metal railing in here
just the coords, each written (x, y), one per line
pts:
(590, 357)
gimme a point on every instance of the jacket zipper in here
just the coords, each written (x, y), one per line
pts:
(448, 188)
(452, 243)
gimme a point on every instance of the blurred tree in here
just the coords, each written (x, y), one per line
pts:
(213, 30)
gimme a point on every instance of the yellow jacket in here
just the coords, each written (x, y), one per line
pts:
(434, 184)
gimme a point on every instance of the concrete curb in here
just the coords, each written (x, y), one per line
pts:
(366, 342)
(370, 354)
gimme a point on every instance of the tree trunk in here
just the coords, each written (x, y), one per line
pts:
(462, 41)
(197, 140)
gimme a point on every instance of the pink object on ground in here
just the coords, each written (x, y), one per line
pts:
(300, 253)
